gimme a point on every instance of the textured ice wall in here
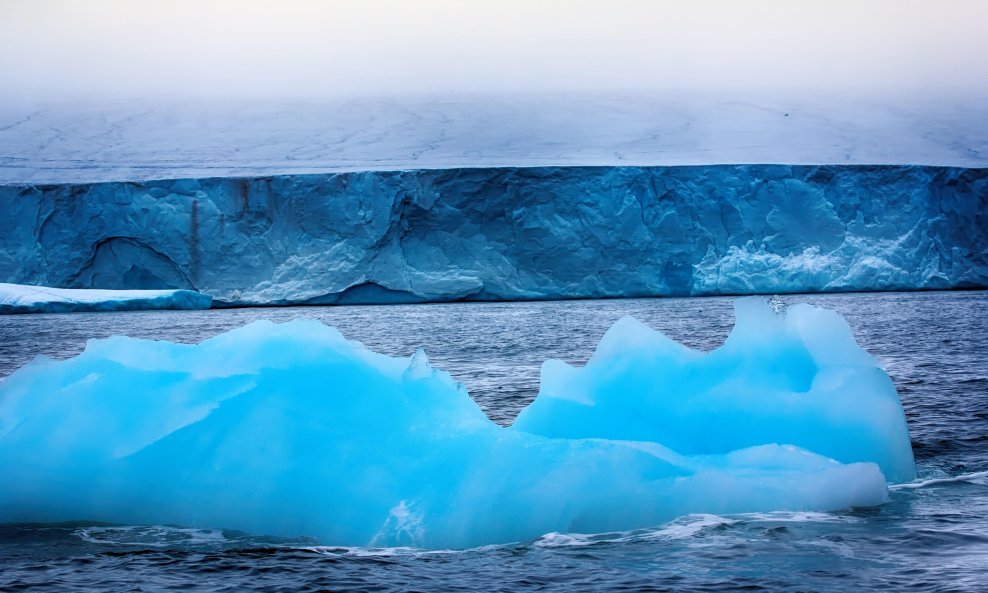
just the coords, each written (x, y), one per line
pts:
(507, 233)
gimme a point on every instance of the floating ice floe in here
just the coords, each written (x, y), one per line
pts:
(20, 298)
(291, 430)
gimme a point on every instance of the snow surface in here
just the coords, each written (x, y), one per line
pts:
(290, 430)
(19, 298)
(508, 233)
(79, 142)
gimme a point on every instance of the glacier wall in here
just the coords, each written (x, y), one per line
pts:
(507, 233)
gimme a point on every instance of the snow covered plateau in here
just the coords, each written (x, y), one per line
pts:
(130, 140)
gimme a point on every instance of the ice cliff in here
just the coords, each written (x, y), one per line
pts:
(291, 430)
(507, 233)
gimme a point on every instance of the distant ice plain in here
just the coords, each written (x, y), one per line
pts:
(86, 141)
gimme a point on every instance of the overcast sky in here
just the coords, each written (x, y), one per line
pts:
(304, 49)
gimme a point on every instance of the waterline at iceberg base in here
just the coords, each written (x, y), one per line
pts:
(507, 233)
(291, 430)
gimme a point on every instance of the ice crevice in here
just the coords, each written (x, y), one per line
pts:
(292, 430)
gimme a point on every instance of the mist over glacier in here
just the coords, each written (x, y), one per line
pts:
(292, 430)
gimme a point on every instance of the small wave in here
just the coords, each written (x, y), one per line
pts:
(153, 536)
(371, 552)
(359, 552)
(689, 527)
(980, 478)
(682, 528)
(797, 517)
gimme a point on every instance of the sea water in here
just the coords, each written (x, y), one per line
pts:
(931, 536)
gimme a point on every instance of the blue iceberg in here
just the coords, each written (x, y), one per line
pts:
(19, 298)
(291, 430)
(795, 376)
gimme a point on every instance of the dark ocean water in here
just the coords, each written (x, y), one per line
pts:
(932, 536)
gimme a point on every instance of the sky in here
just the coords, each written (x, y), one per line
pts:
(306, 49)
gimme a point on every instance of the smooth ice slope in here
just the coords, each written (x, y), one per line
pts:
(290, 430)
(494, 234)
(18, 298)
(795, 377)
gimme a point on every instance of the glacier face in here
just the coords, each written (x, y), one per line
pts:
(291, 430)
(507, 233)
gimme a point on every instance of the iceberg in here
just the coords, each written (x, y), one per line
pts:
(507, 233)
(18, 298)
(291, 430)
(794, 376)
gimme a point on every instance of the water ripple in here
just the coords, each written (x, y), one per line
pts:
(931, 536)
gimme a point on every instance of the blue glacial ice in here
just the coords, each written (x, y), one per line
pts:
(291, 430)
(507, 233)
(796, 377)
(19, 298)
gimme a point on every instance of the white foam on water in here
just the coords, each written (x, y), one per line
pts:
(151, 536)
(979, 478)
